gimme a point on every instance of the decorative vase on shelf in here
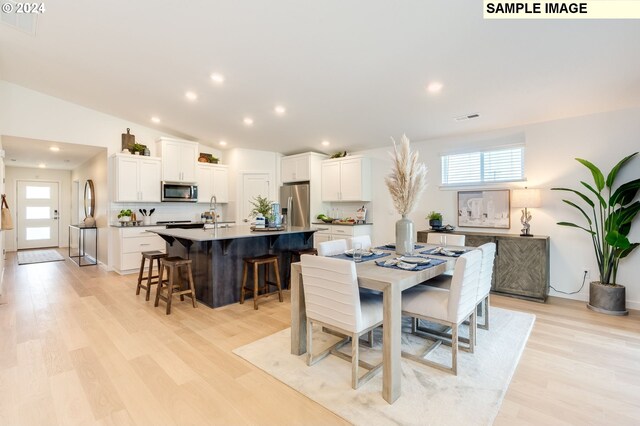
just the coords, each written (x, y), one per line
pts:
(404, 236)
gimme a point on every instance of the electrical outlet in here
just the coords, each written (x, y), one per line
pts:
(588, 273)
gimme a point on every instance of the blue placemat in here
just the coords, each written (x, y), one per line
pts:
(364, 259)
(434, 262)
(417, 247)
(430, 251)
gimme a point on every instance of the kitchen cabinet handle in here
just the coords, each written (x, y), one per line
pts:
(145, 244)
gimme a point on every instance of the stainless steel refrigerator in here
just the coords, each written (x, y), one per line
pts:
(300, 203)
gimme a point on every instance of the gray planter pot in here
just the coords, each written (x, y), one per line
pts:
(607, 299)
(435, 223)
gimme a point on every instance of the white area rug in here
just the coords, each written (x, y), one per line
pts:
(38, 256)
(429, 396)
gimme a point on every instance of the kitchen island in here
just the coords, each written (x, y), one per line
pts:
(217, 256)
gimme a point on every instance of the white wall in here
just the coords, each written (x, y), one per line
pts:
(95, 169)
(549, 160)
(63, 177)
(246, 160)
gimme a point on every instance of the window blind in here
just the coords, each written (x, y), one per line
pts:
(499, 165)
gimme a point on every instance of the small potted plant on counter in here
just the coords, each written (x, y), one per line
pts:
(435, 220)
(261, 207)
(124, 216)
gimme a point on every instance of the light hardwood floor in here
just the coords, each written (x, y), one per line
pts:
(78, 347)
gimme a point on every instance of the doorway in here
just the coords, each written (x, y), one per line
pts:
(254, 184)
(37, 208)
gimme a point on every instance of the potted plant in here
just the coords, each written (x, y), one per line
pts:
(124, 215)
(609, 214)
(435, 220)
(261, 207)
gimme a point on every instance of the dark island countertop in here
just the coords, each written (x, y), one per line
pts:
(236, 232)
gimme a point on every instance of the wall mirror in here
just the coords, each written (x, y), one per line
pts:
(89, 199)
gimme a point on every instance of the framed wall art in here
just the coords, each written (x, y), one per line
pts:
(484, 209)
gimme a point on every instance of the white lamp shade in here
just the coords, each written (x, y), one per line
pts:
(525, 198)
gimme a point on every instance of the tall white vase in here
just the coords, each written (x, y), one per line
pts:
(404, 236)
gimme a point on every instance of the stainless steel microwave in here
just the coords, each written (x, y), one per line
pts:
(179, 192)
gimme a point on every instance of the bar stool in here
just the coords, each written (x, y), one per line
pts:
(296, 254)
(151, 256)
(173, 266)
(266, 260)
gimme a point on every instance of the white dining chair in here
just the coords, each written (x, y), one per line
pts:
(450, 308)
(364, 240)
(334, 301)
(332, 247)
(484, 287)
(451, 239)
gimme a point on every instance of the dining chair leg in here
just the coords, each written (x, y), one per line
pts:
(454, 349)
(309, 341)
(171, 273)
(473, 323)
(192, 286)
(355, 360)
(245, 270)
(149, 277)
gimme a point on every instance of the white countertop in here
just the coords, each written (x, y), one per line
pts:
(241, 231)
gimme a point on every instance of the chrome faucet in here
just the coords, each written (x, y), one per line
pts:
(213, 209)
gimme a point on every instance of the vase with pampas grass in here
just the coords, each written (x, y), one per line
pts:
(406, 182)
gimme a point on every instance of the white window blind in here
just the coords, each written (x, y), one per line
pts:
(499, 165)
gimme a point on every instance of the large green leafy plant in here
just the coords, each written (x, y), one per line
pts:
(609, 215)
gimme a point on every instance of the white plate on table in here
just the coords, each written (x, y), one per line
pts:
(414, 260)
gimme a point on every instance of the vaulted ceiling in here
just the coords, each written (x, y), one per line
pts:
(350, 72)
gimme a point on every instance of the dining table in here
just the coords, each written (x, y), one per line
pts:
(391, 282)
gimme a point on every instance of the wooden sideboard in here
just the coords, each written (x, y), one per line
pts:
(521, 268)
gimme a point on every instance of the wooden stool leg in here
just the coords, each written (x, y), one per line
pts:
(180, 282)
(159, 289)
(171, 273)
(277, 269)
(192, 287)
(255, 286)
(244, 282)
(140, 277)
(149, 275)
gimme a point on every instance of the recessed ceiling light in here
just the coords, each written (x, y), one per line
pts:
(248, 121)
(325, 143)
(42, 165)
(191, 96)
(280, 110)
(218, 78)
(155, 119)
(434, 87)
(54, 148)
(223, 143)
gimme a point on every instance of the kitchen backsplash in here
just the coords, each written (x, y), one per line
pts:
(345, 210)
(168, 211)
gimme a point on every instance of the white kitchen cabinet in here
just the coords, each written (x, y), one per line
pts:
(137, 178)
(346, 179)
(212, 179)
(129, 243)
(297, 168)
(178, 159)
(339, 232)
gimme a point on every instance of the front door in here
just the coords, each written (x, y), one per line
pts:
(253, 184)
(37, 214)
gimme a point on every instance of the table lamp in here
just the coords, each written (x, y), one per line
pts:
(525, 198)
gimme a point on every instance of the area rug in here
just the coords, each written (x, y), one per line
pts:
(38, 256)
(429, 396)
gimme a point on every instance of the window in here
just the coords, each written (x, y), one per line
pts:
(38, 213)
(38, 193)
(39, 233)
(497, 165)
